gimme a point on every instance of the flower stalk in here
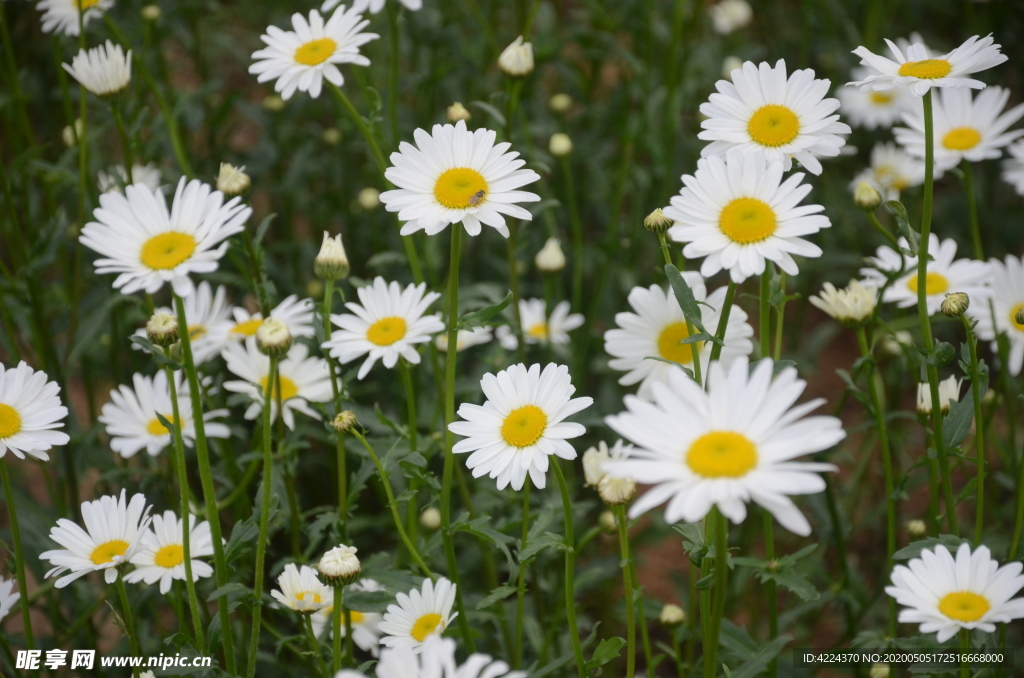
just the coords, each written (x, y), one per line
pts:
(570, 569)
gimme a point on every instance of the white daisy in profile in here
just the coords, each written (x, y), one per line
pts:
(387, 323)
(538, 328)
(130, 418)
(949, 393)
(148, 175)
(301, 379)
(435, 659)
(208, 314)
(850, 305)
(8, 596)
(738, 212)
(295, 313)
(61, 16)
(162, 558)
(892, 171)
(732, 444)
(302, 58)
(970, 591)
(374, 6)
(874, 109)
(944, 274)
(1013, 167)
(918, 70)
(301, 589)
(965, 128)
(113, 534)
(520, 425)
(103, 70)
(657, 327)
(30, 412)
(453, 175)
(782, 119)
(419, 614)
(1007, 313)
(465, 339)
(365, 631)
(147, 246)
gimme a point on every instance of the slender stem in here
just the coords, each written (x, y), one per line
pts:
(521, 588)
(336, 612)
(314, 645)
(126, 146)
(764, 328)
(780, 316)
(512, 250)
(396, 37)
(972, 211)
(645, 638)
(723, 322)
(19, 558)
(412, 512)
(339, 437)
(979, 425)
(771, 592)
(129, 622)
(577, 234)
(965, 648)
(720, 592)
(1018, 525)
(677, 651)
(883, 230)
(626, 564)
(570, 567)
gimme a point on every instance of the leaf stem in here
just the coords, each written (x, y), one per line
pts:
(570, 566)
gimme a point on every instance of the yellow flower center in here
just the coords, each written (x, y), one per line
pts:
(670, 344)
(166, 250)
(10, 421)
(386, 331)
(196, 332)
(722, 454)
(288, 388)
(1019, 308)
(156, 428)
(313, 597)
(773, 125)
(928, 69)
(170, 556)
(355, 618)
(315, 51)
(524, 427)
(539, 331)
(964, 606)
(460, 187)
(747, 220)
(881, 97)
(425, 626)
(934, 283)
(86, 4)
(248, 328)
(961, 139)
(106, 552)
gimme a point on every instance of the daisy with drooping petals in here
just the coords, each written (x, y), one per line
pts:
(162, 558)
(782, 119)
(538, 328)
(375, 6)
(301, 589)
(873, 109)
(419, 614)
(657, 328)
(8, 596)
(970, 591)
(365, 625)
(61, 16)
(465, 339)
(112, 536)
(851, 305)
(301, 379)
(30, 412)
(102, 70)
(1007, 314)
(726, 446)
(918, 70)
(131, 419)
(388, 323)
(295, 313)
(301, 59)
(738, 212)
(148, 246)
(148, 175)
(965, 128)
(943, 274)
(892, 171)
(208, 315)
(456, 176)
(949, 393)
(520, 425)
(1013, 167)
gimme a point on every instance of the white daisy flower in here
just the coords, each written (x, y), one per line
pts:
(301, 589)
(657, 327)
(148, 246)
(295, 313)
(208, 316)
(163, 556)
(436, 659)
(419, 614)
(301, 379)
(61, 16)
(739, 213)
(102, 70)
(943, 274)
(375, 6)
(595, 457)
(1013, 167)
(365, 631)
(1007, 295)
(538, 328)
(780, 118)
(388, 323)
(112, 536)
(30, 412)
(8, 596)
(949, 393)
(874, 109)
(131, 422)
(965, 129)
(730, 15)
(148, 175)
(302, 58)
(918, 70)
(851, 305)
(520, 425)
(453, 175)
(892, 171)
(726, 446)
(944, 593)
(465, 339)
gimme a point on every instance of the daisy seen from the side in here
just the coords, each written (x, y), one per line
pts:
(295, 313)
(419, 614)
(30, 412)
(300, 589)
(162, 558)
(374, 6)
(465, 339)
(103, 70)
(8, 596)
(949, 393)
(874, 109)
(62, 16)
(365, 625)
(1007, 313)
(1013, 167)
(148, 175)
(892, 171)
(538, 327)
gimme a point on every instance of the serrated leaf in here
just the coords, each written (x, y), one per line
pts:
(957, 424)
(913, 549)
(607, 650)
(684, 368)
(795, 582)
(687, 302)
(500, 593)
(756, 665)
(261, 230)
(547, 540)
(480, 317)
(913, 238)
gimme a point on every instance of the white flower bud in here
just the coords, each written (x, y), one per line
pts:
(550, 258)
(949, 392)
(606, 521)
(430, 519)
(339, 566)
(162, 329)
(369, 198)
(273, 337)
(672, 615)
(70, 135)
(917, 528)
(867, 197)
(331, 263)
(517, 59)
(614, 491)
(344, 421)
(730, 15)
(233, 180)
(560, 145)
(273, 103)
(593, 462)
(151, 13)
(657, 222)
(730, 64)
(457, 112)
(560, 103)
(331, 136)
(955, 304)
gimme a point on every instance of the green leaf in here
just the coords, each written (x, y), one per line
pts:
(261, 230)
(548, 540)
(367, 601)
(687, 302)
(490, 110)
(500, 593)
(944, 352)
(684, 368)
(159, 357)
(913, 549)
(756, 665)
(957, 424)
(480, 317)
(607, 650)
(794, 582)
(903, 221)
(233, 588)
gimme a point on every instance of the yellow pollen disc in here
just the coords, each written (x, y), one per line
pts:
(747, 220)
(964, 606)
(881, 97)
(288, 388)
(425, 626)
(539, 331)
(670, 346)
(773, 125)
(386, 331)
(355, 618)
(961, 139)
(312, 597)
(1019, 308)
(722, 454)
(155, 428)
(170, 556)
(165, 251)
(524, 427)
(86, 4)
(460, 187)
(106, 552)
(10, 421)
(929, 69)
(315, 51)
(935, 283)
(248, 328)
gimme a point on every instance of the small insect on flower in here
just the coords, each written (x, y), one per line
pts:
(476, 198)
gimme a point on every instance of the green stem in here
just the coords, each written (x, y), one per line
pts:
(723, 322)
(645, 638)
(979, 425)
(771, 592)
(626, 564)
(972, 211)
(336, 612)
(521, 588)
(577, 235)
(393, 72)
(965, 648)
(764, 328)
(19, 557)
(570, 567)
(883, 230)
(720, 593)
(339, 437)
(412, 512)
(126, 146)
(129, 622)
(512, 250)
(1018, 525)
(780, 315)
(314, 646)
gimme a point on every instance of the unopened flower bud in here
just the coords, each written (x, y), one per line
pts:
(730, 64)
(657, 222)
(70, 134)
(879, 671)
(162, 329)
(344, 421)
(369, 198)
(151, 12)
(867, 197)
(672, 615)
(917, 528)
(430, 519)
(517, 59)
(273, 103)
(955, 304)
(331, 136)
(339, 566)
(273, 337)
(560, 103)
(233, 180)
(606, 521)
(331, 263)
(458, 112)
(615, 491)
(550, 258)
(730, 15)
(560, 145)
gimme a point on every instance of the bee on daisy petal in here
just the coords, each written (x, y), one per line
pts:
(419, 614)
(162, 558)
(30, 412)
